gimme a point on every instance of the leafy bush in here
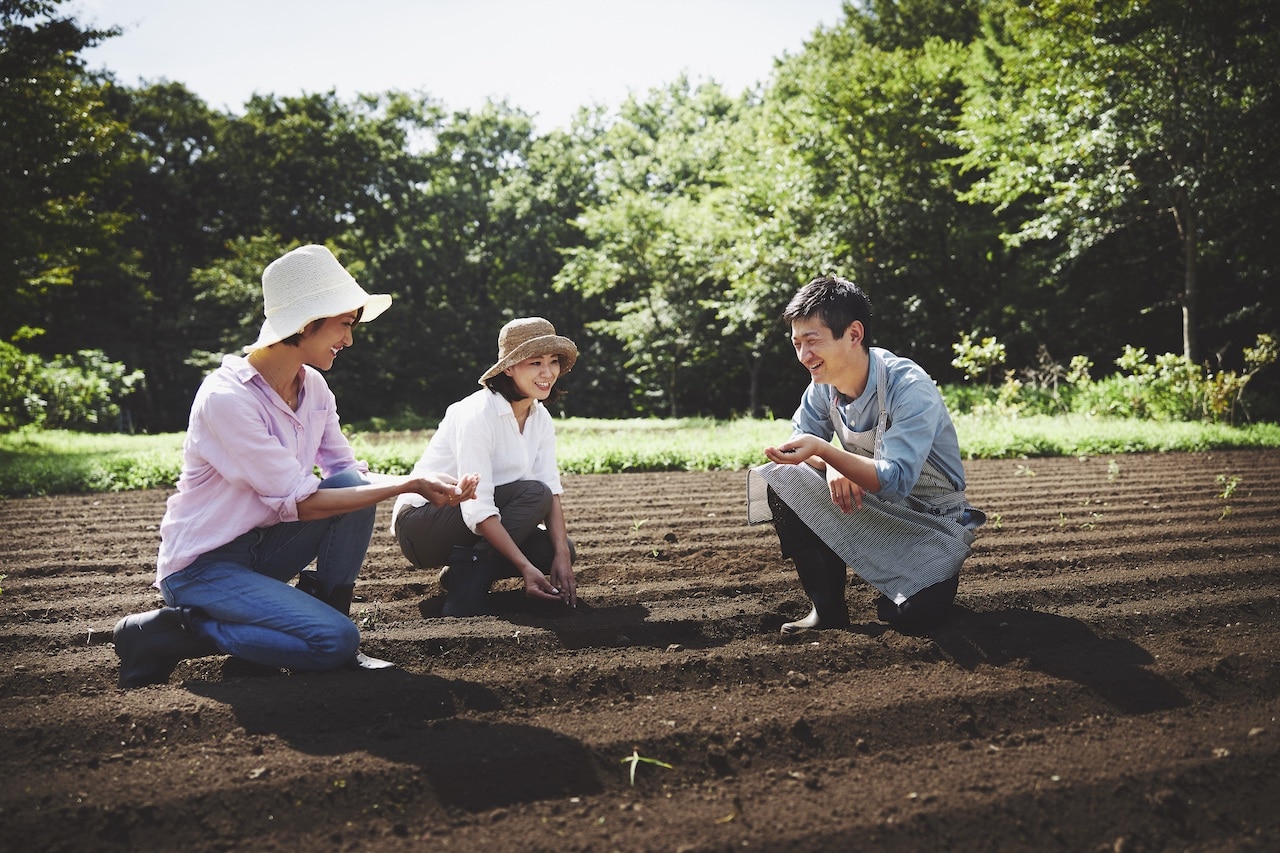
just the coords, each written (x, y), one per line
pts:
(1172, 387)
(1167, 388)
(79, 392)
(977, 358)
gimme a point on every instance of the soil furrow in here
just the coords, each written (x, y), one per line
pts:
(1108, 681)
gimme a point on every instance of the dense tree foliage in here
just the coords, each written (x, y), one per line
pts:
(59, 148)
(1095, 117)
(1066, 177)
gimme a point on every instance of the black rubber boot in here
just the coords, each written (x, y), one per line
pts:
(467, 578)
(822, 574)
(151, 644)
(922, 611)
(340, 600)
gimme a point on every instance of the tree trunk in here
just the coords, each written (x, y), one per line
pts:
(1186, 216)
(753, 395)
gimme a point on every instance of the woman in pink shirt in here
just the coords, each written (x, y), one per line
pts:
(250, 514)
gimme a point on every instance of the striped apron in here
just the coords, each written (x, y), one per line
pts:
(899, 548)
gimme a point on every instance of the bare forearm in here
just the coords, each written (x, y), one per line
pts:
(557, 528)
(858, 469)
(325, 503)
(500, 540)
(439, 489)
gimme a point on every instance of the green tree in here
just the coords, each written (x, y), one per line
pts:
(166, 185)
(469, 244)
(870, 111)
(652, 242)
(57, 146)
(1100, 117)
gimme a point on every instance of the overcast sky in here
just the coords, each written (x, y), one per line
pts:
(547, 57)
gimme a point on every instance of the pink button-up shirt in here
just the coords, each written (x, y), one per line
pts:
(247, 460)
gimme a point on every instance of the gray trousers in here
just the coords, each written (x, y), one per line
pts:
(428, 533)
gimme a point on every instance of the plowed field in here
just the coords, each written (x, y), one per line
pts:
(1110, 680)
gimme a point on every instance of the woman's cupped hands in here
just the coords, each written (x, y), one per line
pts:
(445, 490)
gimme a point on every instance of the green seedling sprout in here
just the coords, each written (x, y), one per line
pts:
(1228, 484)
(635, 758)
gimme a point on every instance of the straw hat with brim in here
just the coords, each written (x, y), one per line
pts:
(526, 337)
(309, 284)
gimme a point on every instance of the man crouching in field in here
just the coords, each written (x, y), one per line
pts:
(889, 500)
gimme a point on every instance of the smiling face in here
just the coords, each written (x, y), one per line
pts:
(321, 344)
(535, 377)
(829, 360)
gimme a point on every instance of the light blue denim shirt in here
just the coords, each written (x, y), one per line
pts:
(919, 426)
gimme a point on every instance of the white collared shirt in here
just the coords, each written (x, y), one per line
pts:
(479, 434)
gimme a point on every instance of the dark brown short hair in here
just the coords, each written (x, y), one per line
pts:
(836, 302)
(506, 386)
(296, 338)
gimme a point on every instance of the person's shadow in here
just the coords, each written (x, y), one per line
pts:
(602, 626)
(1113, 669)
(471, 763)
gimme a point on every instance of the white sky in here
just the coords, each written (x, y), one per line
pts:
(547, 57)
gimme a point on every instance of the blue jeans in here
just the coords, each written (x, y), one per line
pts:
(245, 604)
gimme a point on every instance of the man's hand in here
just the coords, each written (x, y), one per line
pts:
(796, 450)
(845, 493)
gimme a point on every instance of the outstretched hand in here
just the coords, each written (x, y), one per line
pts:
(444, 490)
(797, 449)
(845, 493)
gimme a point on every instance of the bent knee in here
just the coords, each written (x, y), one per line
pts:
(534, 491)
(336, 646)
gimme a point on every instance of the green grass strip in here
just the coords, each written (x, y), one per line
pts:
(53, 462)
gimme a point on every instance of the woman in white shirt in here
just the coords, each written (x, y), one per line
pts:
(515, 527)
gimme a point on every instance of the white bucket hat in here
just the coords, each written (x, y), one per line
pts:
(309, 284)
(525, 337)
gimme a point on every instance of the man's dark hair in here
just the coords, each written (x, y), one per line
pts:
(506, 386)
(296, 338)
(836, 302)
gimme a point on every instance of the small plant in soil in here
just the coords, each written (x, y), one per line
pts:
(635, 758)
(1228, 483)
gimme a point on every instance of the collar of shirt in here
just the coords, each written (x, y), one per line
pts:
(501, 407)
(854, 408)
(249, 375)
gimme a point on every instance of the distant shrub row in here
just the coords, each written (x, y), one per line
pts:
(1168, 387)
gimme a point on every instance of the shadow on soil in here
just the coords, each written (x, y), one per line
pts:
(422, 720)
(1112, 668)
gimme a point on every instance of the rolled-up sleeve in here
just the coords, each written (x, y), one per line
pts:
(474, 453)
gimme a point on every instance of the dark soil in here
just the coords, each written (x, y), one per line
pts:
(1109, 681)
